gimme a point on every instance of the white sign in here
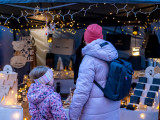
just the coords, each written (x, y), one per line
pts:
(63, 46)
(136, 51)
(18, 61)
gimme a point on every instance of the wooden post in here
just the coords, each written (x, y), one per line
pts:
(34, 62)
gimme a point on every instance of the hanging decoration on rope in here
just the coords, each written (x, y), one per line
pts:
(46, 30)
(49, 29)
(52, 26)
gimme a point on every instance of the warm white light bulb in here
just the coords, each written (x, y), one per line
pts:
(16, 115)
(142, 115)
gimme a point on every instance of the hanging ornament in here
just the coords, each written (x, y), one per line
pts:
(36, 11)
(8, 69)
(46, 29)
(149, 72)
(18, 61)
(18, 45)
(52, 26)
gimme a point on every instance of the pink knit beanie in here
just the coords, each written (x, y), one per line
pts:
(93, 32)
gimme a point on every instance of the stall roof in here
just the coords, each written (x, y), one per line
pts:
(81, 1)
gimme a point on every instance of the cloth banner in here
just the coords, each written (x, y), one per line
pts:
(63, 46)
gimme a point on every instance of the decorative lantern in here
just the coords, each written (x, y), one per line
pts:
(142, 116)
(50, 38)
(135, 31)
(136, 51)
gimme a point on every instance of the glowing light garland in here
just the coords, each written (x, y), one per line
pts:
(45, 11)
(131, 11)
(118, 9)
(42, 11)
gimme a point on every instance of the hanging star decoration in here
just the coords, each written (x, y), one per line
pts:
(52, 26)
(46, 29)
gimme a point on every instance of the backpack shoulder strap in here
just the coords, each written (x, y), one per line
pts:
(108, 62)
(98, 85)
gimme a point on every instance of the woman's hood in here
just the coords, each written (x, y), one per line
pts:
(101, 49)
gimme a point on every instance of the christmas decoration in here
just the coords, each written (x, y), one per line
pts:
(25, 51)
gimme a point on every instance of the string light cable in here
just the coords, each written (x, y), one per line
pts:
(42, 11)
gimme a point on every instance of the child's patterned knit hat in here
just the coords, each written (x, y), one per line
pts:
(46, 78)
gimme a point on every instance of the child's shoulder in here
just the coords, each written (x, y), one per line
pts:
(55, 95)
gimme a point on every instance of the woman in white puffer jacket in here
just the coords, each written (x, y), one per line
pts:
(88, 101)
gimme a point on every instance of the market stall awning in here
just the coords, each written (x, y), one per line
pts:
(81, 1)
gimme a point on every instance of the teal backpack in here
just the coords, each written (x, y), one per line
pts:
(119, 80)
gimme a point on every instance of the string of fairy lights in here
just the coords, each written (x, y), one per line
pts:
(43, 12)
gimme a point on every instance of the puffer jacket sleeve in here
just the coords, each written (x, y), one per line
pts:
(33, 111)
(83, 87)
(57, 108)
